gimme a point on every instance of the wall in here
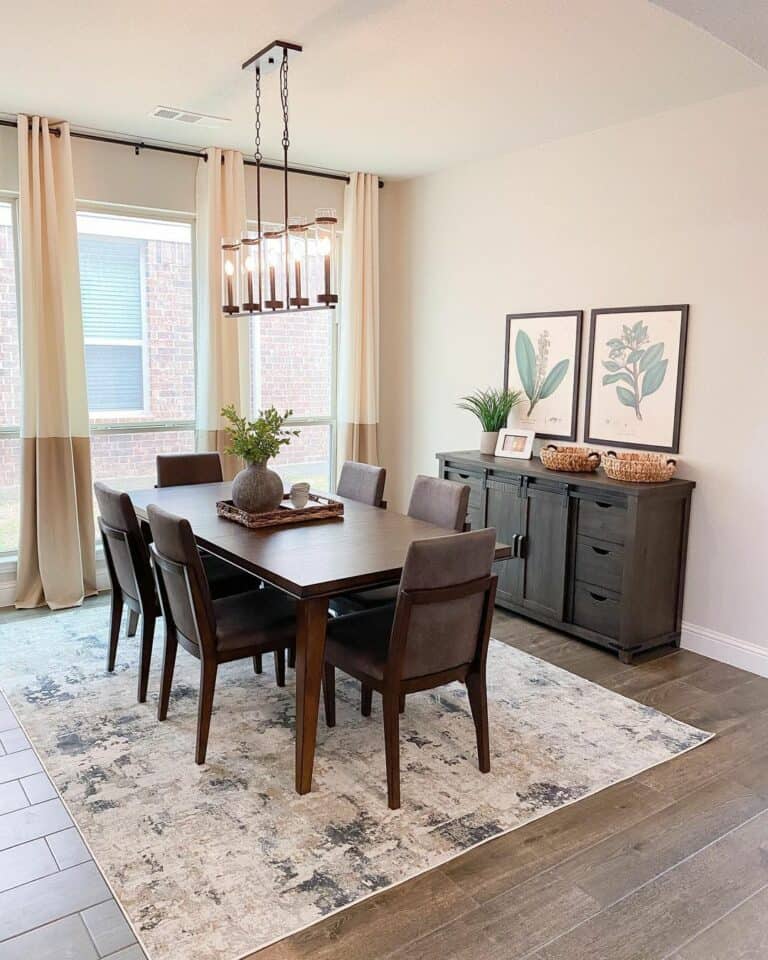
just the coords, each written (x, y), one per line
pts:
(668, 209)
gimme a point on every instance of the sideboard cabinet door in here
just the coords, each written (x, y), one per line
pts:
(504, 511)
(545, 549)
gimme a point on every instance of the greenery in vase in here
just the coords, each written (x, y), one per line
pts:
(533, 366)
(491, 407)
(632, 362)
(257, 441)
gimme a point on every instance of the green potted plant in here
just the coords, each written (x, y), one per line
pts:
(256, 488)
(492, 408)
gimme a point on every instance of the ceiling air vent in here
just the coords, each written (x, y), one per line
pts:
(189, 116)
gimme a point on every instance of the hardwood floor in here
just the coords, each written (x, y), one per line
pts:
(671, 865)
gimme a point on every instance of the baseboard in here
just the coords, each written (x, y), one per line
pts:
(719, 646)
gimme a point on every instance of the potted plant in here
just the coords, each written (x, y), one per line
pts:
(257, 489)
(492, 408)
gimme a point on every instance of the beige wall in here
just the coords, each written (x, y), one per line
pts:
(668, 209)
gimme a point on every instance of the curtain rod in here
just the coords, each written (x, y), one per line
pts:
(139, 145)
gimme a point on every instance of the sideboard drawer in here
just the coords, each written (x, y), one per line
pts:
(599, 562)
(473, 480)
(596, 609)
(602, 520)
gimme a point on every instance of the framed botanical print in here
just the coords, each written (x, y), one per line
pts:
(541, 359)
(635, 377)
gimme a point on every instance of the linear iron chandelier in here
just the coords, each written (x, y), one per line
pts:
(277, 270)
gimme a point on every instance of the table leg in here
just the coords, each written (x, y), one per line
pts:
(311, 620)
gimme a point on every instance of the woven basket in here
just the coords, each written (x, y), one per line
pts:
(571, 459)
(638, 467)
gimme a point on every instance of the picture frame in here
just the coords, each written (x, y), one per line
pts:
(515, 443)
(533, 341)
(635, 378)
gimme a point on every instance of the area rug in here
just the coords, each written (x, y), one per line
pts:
(218, 861)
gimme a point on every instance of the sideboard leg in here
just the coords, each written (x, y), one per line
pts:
(625, 656)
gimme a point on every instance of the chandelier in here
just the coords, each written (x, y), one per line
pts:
(288, 267)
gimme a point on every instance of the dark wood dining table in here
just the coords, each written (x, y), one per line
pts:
(311, 562)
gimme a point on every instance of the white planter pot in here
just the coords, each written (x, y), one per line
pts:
(488, 441)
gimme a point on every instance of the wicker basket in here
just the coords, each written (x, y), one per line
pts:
(638, 467)
(571, 459)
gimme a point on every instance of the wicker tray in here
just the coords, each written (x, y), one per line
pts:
(571, 459)
(318, 508)
(638, 467)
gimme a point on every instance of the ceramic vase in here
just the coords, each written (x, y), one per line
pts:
(257, 489)
(488, 441)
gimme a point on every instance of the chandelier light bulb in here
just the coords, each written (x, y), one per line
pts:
(229, 268)
(324, 246)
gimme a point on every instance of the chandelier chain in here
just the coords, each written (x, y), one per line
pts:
(284, 97)
(257, 109)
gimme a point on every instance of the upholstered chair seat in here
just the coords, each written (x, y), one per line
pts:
(262, 617)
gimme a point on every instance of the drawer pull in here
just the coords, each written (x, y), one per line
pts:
(597, 596)
(601, 551)
(604, 506)
(464, 476)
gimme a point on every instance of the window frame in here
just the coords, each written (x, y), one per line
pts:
(11, 432)
(331, 420)
(164, 216)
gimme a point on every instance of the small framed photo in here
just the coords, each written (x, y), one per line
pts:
(515, 443)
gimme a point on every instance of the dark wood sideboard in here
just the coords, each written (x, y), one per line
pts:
(599, 559)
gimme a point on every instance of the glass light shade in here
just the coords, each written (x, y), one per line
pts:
(298, 262)
(274, 270)
(250, 265)
(325, 238)
(230, 276)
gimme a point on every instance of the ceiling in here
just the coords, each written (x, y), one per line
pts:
(396, 87)
(741, 23)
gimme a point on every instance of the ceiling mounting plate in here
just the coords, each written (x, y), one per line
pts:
(271, 56)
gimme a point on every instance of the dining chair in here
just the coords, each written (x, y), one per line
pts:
(215, 631)
(175, 469)
(441, 502)
(362, 482)
(436, 633)
(126, 550)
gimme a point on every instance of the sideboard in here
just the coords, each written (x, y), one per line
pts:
(599, 559)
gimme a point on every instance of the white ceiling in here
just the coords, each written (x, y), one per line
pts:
(741, 23)
(399, 87)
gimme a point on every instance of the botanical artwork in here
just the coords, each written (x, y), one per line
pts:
(542, 361)
(635, 377)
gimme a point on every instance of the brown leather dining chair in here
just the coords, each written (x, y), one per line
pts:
(214, 631)
(441, 502)
(130, 573)
(362, 482)
(437, 633)
(176, 469)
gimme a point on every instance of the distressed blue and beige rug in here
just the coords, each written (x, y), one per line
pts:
(215, 862)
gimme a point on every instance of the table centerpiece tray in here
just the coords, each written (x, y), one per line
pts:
(317, 508)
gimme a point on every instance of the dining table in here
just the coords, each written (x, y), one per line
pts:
(311, 562)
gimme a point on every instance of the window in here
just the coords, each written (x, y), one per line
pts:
(10, 385)
(138, 327)
(293, 366)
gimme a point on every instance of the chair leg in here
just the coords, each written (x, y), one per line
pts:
(258, 666)
(392, 748)
(115, 616)
(169, 662)
(292, 658)
(147, 640)
(208, 670)
(402, 703)
(133, 623)
(280, 667)
(366, 696)
(478, 701)
(329, 694)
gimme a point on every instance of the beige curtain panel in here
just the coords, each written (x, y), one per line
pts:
(359, 322)
(56, 544)
(223, 375)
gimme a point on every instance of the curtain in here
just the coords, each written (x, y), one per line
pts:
(359, 322)
(57, 563)
(223, 374)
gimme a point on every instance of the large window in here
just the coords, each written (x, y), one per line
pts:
(10, 385)
(138, 325)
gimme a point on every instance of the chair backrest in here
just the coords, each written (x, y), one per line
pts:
(442, 502)
(444, 604)
(362, 482)
(184, 591)
(124, 546)
(175, 469)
